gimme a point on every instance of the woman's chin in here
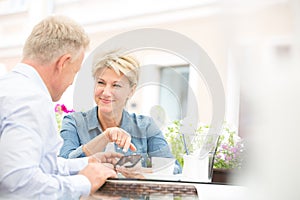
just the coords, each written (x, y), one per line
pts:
(105, 108)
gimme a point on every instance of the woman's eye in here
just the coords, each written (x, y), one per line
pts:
(100, 82)
(117, 85)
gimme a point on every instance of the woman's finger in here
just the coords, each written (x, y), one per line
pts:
(114, 134)
(132, 147)
(126, 144)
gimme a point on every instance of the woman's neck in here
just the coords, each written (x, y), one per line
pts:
(108, 120)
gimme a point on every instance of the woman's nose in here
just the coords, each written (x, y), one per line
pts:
(107, 90)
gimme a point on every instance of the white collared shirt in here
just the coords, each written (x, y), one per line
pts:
(29, 143)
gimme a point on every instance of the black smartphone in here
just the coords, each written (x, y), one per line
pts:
(128, 161)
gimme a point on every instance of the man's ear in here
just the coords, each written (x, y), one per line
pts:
(62, 61)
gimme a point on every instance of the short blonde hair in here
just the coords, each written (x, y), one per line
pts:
(53, 37)
(124, 64)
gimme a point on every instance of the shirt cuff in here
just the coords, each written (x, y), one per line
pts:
(81, 184)
(77, 164)
(71, 166)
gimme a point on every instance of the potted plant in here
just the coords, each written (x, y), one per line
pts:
(229, 150)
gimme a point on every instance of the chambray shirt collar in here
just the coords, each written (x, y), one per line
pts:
(93, 123)
(29, 72)
(124, 122)
(92, 119)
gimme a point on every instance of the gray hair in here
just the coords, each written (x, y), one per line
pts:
(53, 37)
(124, 64)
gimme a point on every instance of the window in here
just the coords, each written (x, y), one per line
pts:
(163, 95)
(174, 91)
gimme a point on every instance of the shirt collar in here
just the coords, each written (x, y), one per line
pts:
(92, 119)
(29, 72)
(126, 122)
(125, 119)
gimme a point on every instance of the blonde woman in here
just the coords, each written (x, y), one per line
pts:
(86, 133)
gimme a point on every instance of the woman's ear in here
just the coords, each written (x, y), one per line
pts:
(132, 91)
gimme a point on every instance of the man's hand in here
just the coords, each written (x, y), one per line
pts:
(97, 173)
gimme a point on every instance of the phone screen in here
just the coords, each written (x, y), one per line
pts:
(129, 161)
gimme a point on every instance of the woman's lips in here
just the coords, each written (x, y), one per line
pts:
(106, 101)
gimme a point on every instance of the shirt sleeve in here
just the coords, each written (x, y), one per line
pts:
(30, 167)
(71, 147)
(33, 183)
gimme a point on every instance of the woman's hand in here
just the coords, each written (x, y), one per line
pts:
(120, 137)
(106, 157)
(134, 172)
(115, 134)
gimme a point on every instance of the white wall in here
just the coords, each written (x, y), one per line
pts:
(220, 28)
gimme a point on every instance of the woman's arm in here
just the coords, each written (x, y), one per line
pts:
(72, 147)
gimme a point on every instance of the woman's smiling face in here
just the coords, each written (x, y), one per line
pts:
(111, 91)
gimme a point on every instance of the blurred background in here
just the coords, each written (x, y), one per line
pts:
(254, 45)
(235, 34)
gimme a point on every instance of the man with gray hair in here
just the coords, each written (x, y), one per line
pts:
(29, 141)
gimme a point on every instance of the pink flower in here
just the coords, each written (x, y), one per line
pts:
(234, 149)
(224, 146)
(227, 157)
(62, 109)
(65, 110)
(58, 109)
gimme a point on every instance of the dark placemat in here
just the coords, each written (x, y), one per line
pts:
(143, 189)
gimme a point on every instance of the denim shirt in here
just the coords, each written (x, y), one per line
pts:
(80, 127)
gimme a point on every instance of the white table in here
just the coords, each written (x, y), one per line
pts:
(220, 192)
